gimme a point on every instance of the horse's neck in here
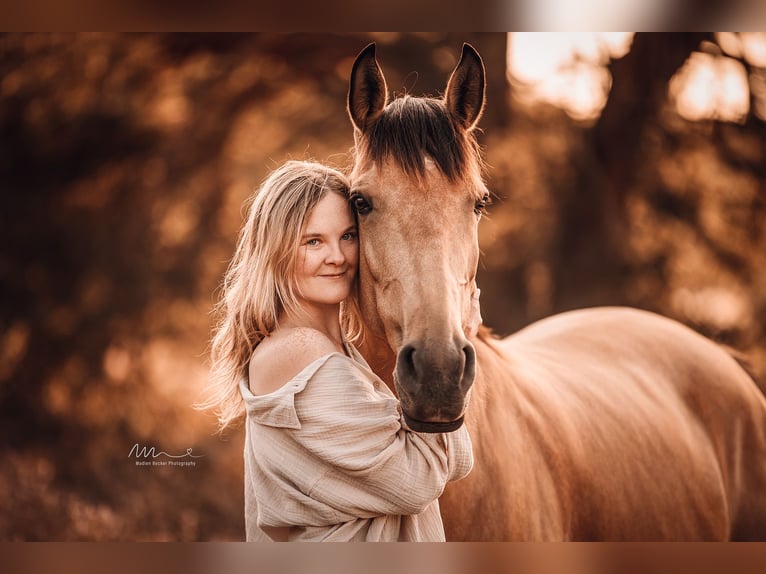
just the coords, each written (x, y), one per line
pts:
(380, 357)
(498, 447)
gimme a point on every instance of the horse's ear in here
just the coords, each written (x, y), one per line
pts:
(465, 89)
(367, 91)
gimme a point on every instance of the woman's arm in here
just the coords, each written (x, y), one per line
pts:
(372, 465)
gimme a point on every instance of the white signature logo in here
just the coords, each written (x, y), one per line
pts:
(145, 452)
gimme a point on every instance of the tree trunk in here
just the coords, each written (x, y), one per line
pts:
(591, 268)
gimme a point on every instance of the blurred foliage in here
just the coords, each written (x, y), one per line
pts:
(126, 159)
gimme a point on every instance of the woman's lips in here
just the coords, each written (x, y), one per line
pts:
(334, 275)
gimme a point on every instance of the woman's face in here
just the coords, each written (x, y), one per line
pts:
(328, 253)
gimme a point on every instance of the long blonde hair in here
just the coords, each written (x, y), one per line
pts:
(259, 283)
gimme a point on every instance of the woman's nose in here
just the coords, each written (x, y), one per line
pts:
(335, 255)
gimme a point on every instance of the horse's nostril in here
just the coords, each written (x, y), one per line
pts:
(469, 368)
(406, 361)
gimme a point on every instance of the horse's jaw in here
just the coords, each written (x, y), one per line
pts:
(379, 355)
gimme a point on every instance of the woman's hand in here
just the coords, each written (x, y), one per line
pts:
(474, 317)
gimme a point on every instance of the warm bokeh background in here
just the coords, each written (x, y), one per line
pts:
(627, 170)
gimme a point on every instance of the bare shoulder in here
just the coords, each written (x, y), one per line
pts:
(284, 354)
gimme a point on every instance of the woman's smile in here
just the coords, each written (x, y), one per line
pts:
(334, 275)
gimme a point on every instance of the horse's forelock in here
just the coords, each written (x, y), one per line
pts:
(411, 129)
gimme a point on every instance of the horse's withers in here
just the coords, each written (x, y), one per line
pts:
(414, 194)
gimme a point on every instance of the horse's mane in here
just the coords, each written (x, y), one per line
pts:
(410, 129)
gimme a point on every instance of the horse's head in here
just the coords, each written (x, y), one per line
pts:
(417, 188)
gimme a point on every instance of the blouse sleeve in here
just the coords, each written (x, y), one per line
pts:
(368, 464)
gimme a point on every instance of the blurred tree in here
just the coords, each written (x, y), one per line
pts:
(590, 264)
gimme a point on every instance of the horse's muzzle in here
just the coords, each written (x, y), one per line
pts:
(433, 382)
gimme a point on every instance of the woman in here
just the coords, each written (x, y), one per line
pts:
(326, 454)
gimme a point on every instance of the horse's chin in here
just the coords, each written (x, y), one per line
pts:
(433, 427)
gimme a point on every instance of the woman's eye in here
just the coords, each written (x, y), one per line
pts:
(312, 242)
(481, 205)
(349, 236)
(360, 204)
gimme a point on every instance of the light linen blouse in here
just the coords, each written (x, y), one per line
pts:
(326, 456)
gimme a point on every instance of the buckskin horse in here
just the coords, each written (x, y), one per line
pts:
(597, 424)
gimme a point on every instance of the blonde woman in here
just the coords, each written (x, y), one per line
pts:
(326, 454)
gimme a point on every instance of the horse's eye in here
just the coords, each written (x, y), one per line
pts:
(360, 204)
(481, 205)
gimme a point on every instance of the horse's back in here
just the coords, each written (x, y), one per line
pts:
(650, 429)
